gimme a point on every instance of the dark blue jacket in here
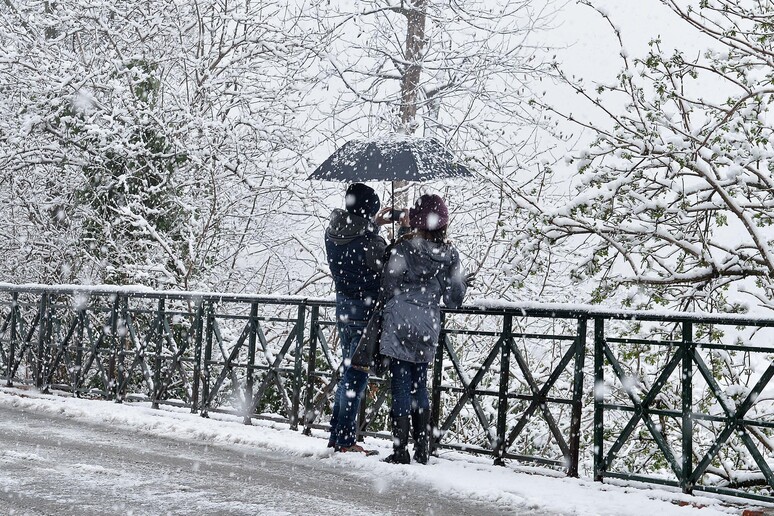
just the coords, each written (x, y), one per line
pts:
(354, 251)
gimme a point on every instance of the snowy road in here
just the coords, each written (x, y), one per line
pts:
(61, 455)
(53, 464)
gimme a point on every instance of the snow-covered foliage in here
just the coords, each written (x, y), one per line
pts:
(674, 197)
(139, 141)
(670, 205)
(168, 144)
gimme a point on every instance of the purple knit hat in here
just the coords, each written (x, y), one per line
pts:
(429, 213)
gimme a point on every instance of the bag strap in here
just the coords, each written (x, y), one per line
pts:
(382, 299)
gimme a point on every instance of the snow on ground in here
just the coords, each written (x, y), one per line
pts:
(462, 475)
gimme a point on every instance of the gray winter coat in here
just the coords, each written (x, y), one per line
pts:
(419, 273)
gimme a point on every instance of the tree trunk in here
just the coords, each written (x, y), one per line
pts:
(51, 31)
(409, 84)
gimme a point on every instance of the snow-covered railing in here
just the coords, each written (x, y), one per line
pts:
(672, 398)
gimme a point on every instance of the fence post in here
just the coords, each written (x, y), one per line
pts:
(599, 398)
(47, 359)
(577, 398)
(688, 348)
(157, 359)
(250, 363)
(435, 404)
(311, 367)
(502, 397)
(122, 335)
(207, 359)
(111, 373)
(42, 325)
(297, 367)
(79, 351)
(12, 350)
(197, 371)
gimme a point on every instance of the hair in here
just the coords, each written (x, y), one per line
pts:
(436, 235)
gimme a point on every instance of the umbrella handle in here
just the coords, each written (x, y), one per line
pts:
(392, 203)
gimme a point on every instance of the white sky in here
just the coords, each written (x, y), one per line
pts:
(588, 48)
(593, 50)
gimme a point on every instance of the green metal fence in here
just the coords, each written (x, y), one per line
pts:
(648, 401)
(714, 423)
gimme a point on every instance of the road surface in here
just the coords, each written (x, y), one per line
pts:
(55, 465)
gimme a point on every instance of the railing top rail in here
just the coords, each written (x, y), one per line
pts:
(148, 293)
(474, 307)
(575, 311)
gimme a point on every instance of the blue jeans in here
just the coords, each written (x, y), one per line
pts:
(350, 389)
(409, 387)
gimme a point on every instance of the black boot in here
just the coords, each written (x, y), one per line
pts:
(419, 432)
(400, 437)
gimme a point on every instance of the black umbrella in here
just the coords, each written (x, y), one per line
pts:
(396, 158)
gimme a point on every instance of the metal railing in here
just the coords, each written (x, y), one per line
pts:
(712, 408)
(507, 381)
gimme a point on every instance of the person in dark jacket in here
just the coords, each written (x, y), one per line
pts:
(355, 252)
(423, 268)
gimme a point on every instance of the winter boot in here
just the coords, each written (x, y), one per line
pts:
(419, 432)
(400, 437)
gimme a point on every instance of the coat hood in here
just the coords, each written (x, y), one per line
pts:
(345, 227)
(424, 259)
(418, 276)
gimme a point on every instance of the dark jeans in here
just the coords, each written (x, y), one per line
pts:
(350, 389)
(409, 387)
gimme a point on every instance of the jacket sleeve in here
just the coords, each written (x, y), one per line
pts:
(374, 251)
(453, 285)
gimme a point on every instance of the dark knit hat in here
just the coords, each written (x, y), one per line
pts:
(362, 200)
(429, 213)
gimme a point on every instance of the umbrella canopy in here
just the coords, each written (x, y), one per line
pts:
(397, 158)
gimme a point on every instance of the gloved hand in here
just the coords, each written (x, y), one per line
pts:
(470, 279)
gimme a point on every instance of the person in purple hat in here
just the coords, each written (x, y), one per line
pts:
(423, 268)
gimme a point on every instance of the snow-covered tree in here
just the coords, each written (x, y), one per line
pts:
(673, 198)
(671, 205)
(141, 140)
(460, 72)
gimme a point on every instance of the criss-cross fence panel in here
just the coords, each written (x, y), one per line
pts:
(685, 401)
(253, 358)
(323, 373)
(510, 385)
(105, 344)
(677, 399)
(20, 345)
